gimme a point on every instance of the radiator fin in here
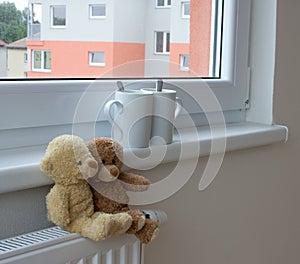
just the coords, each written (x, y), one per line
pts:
(20, 244)
(125, 255)
(56, 246)
(94, 259)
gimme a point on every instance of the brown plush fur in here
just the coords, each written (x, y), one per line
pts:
(70, 202)
(110, 186)
(148, 232)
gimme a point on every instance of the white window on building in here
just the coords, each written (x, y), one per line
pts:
(184, 62)
(34, 21)
(97, 11)
(162, 42)
(41, 60)
(96, 58)
(185, 9)
(58, 15)
(25, 57)
(163, 3)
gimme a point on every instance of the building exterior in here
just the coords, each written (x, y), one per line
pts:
(17, 59)
(112, 38)
(3, 59)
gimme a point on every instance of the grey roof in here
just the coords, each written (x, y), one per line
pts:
(18, 44)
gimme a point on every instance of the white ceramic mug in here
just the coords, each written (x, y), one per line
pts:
(131, 118)
(166, 107)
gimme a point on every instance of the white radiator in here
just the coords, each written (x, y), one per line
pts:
(56, 246)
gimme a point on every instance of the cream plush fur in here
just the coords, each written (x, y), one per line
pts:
(70, 202)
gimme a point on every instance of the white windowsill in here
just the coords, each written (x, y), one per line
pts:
(41, 70)
(20, 168)
(163, 7)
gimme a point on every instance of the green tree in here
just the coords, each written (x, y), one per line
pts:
(13, 22)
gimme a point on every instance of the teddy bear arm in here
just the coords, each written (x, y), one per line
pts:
(57, 205)
(133, 182)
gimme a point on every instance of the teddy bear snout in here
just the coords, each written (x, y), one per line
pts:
(114, 171)
(89, 168)
(92, 164)
(108, 173)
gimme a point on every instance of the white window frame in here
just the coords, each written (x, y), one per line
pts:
(166, 4)
(35, 112)
(52, 14)
(42, 69)
(183, 4)
(91, 11)
(92, 63)
(165, 33)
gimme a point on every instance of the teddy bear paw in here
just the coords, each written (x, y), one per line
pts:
(123, 221)
(155, 234)
(104, 226)
(138, 221)
(149, 231)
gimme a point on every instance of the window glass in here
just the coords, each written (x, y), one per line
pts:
(159, 42)
(186, 9)
(37, 58)
(97, 11)
(167, 42)
(160, 2)
(58, 15)
(184, 62)
(47, 60)
(97, 58)
(41, 60)
(25, 57)
(155, 34)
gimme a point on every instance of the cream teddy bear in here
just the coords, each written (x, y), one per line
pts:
(70, 202)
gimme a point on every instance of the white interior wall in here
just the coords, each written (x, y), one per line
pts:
(250, 214)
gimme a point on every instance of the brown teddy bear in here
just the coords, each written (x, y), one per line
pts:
(70, 202)
(110, 187)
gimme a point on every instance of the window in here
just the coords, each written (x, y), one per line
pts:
(162, 42)
(185, 9)
(184, 62)
(34, 21)
(153, 32)
(226, 75)
(97, 11)
(58, 16)
(25, 57)
(41, 60)
(97, 58)
(163, 3)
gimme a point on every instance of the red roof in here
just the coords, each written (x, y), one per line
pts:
(2, 43)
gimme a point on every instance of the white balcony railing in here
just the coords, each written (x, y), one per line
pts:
(34, 31)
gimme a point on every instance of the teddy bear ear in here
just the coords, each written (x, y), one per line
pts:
(46, 165)
(118, 149)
